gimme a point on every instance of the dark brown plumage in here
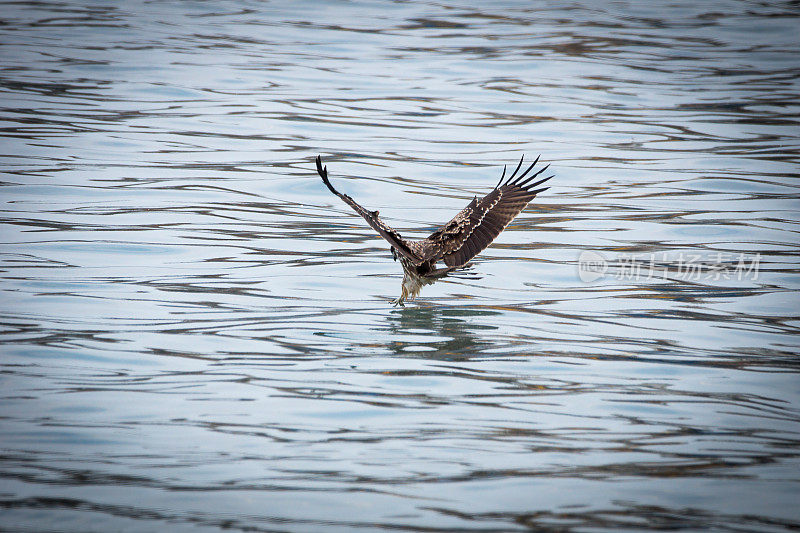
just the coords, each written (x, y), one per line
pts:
(469, 233)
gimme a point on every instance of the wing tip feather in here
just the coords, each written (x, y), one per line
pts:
(511, 177)
(519, 180)
(527, 185)
(525, 173)
(323, 173)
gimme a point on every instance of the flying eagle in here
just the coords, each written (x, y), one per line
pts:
(469, 233)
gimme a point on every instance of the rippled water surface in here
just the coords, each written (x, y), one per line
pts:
(198, 336)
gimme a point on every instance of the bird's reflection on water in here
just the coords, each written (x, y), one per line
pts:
(450, 332)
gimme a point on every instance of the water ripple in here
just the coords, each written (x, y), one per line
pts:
(196, 334)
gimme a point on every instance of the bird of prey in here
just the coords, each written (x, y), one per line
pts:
(469, 233)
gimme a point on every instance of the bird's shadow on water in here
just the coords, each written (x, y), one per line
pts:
(440, 332)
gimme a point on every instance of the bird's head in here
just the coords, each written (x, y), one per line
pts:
(394, 253)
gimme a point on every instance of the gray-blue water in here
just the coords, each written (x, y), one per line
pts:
(198, 336)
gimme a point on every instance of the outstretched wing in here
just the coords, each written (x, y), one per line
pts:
(401, 245)
(477, 225)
